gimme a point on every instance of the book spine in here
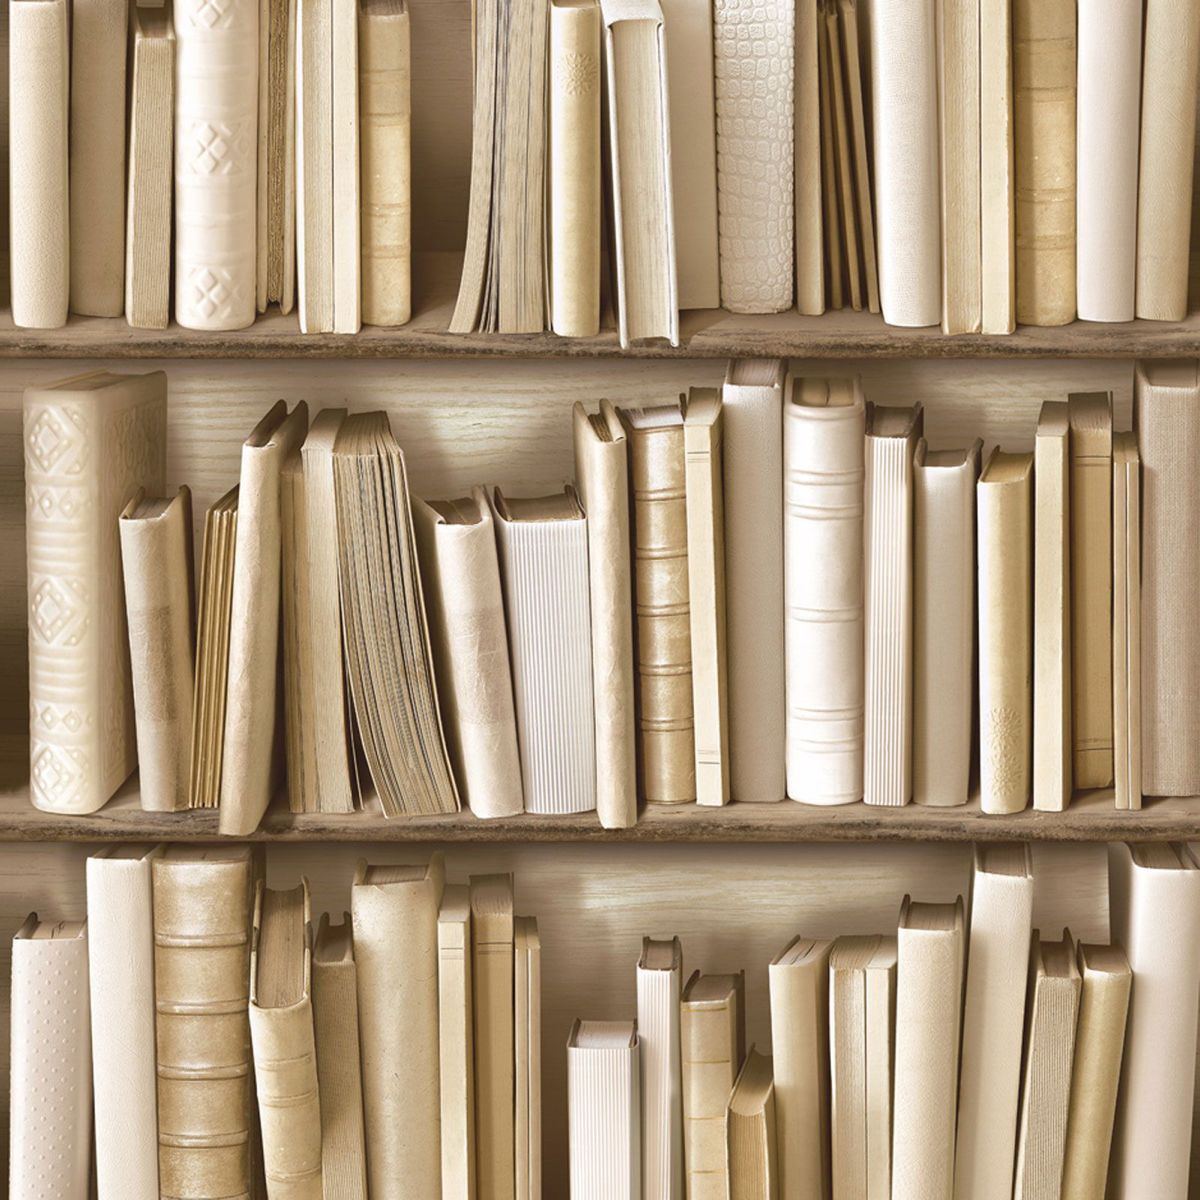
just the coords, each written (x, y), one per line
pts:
(456, 1044)
(527, 1011)
(1127, 628)
(709, 1053)
(881, 1051)
(604, 1120)
(848, 1070)
(662, 1098)
(314, 165)
(492, 969)
(997, 145)
(299, 706)
(809, 232)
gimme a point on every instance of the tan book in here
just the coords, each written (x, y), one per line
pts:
(314, 165)
(603, 1099)
(347, 215)
(751, 1137)
(659, 982)
(1127, 623)
(456, 1044)
(831, 212)
(881, 1055)
(527, 1046)
(1043, 67)
(1091, 587)
(275, 248)
(997, 144)
(810, 242)
(853, 39)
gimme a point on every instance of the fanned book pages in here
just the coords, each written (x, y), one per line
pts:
(383, 610)
(751, 1138)
(997, 173)
(527, 1047)
(544, 568)
(755, 101)
(659, 980)
(824, 423)
(156, 561)
(456, 1044)
(1127, 623)
(90, 443)
(943, 622)
(216, 159)
(461, 573)
(806, 160)
(50, 1134)
(314, 165)
(603, 1110)
(275, 264)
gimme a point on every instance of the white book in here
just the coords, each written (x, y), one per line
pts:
(603, 1113)
(659, 980)
(456, 1044)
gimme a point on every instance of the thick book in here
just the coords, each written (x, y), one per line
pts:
(751, 1132)
(823, 426)
(461, 579)
(997, 168)
(120, 953)
(544, 569)
(806, 159)
(314, 165)
(1127, 623)
(156, 565)
(659, 980)
(90, 443)
(943, 622)
(603, 1111)
(527, 1047)
(395, 913)
(456, 1044)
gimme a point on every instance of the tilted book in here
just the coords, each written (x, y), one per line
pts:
(275, 233)
(603, 1101)
(806, 159)
(456, 1043)
(1127, 623)
(527, 1047)
(659, 980)
(751, 1132)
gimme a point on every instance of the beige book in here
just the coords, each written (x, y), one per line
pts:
(1043, 67)
(810, 249)
(527, 1044)
(574, 166)
(603, 1091)
(997, 148)
(285, 1054)
(1091, 587)
(1170, 69)
(852, 26)
(799, 993)
(156, 561)
(831, 218)
(750, 1130)
(1005, 501)
(929, 981)
(385, 116)
(1049, 1052)
(943, 609)
(1127, 623)
(881, 1055)
(1106, 983)
(842, 182)
(602, 475)
(1052, 742)
(151, 144)
(703, 432)
(712, 1043)
(456, 1043)
(395, 912)
(275, 242)
(339, 1069)
(461, 574)
(659, 980)
(314, 165)
(347, 217)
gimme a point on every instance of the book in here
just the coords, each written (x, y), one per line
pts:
(1005, 502)
(50, 1131)
(712, 1038)
(943, 675)
(120, 967)
(806, 159)
(1154, 907)
(603, 1090)
(456, 540)
(339, 1069)
(1105, 985)
(1044, 100)
(38, 85)
(755, 103)
(602, 477)
(997, 167)
(456, 1044)
(544, 569)
(150, 185)
(1052, 740)
(1091, 587)
(347, 292)
(1167, 417)
(395, 914)
(658, 481)
(1108, 97)
(891, 443)
(156, 565)
(91, 442)
(314, 165)
(751, 1132)
(659, 980)
(823, 427)
(203, 909)
(385, 144)
(639, 138)
(798, 980)
(1170, 71)
(1127, 623)
(527, 1043)
(281, 1033)
(703, 435)
(386, 630)
(275, 232)
(993, 1026)
(929, 980)
(216, 161)
(1049, 1051)
(840, 183)
(752, 408)
(574, 167)
(831, 216)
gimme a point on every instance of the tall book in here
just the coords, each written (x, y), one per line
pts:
(544, 568)
(90, 443)
(824, 422)
(605, 1131)
(527, 1045)
(314, 165)
(997, 168)
(751, 1136)
(1127, 623)
(892, 436)
(344, 111)
(943, 622)
(659, 980)
(275, 233)
(806, 159)
(456, 1044)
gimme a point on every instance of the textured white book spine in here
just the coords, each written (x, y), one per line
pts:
(662, 1088)
(603, 1089)
(216, 161)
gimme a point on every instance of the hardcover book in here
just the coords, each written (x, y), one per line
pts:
(659, 980)
(603, 1107)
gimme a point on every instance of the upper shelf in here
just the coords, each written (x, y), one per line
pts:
(703, 334)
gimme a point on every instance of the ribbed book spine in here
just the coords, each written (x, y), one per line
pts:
(603, 1103)
(662, 1098)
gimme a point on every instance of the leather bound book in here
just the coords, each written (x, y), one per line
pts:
(1127, 623)
(603, 1101)
(750, 1128)
(90, 443)
(527, 1046)
(456, 1044)
(824, 421)
(50, 1132)
(659, 979)
(275, 240)
(809, 232)
(203, 908)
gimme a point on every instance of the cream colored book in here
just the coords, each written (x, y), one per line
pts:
(276, 229)
(347, 217)
(527, 1045)
(1005, 502)
(1127, 623)
(809, 234)
(997, 146)
(751, 1135)
(852, 25)
(842, 181)
(456, 1044)
(314, 165)
(881, 1055)
(603, 1094)
(659, 980)
(944, 484)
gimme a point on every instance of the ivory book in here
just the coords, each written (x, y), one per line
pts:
(527, 1045)
(806, 159)
(751, 1136)
(90, 443)
(997, 174)
(275, 245)
(852, 26)
(1127, 623)
(314, 165)
(544, 569)
(456, 1043)
(605, 1130)
(659, 979)
(344, 113)
(824, 422)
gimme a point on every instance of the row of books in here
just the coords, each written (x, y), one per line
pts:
(959, 1057)
(396, 1054)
